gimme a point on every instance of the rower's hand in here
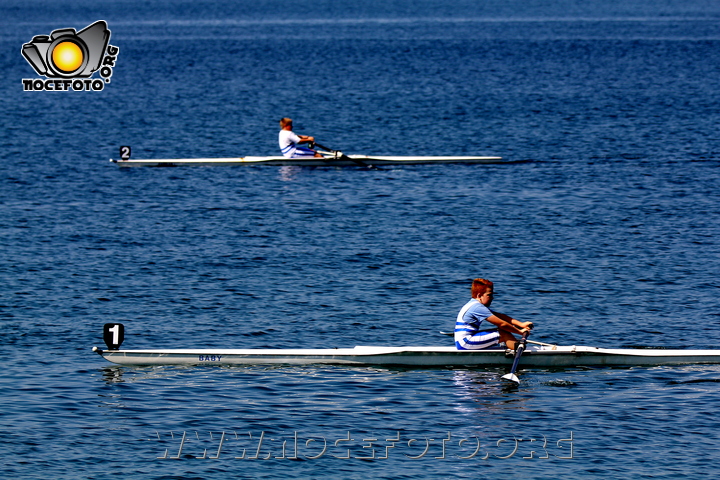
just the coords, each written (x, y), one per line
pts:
(528, 325)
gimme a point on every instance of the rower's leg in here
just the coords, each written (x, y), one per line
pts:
(509, 339)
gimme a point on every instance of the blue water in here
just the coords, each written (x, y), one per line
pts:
(603, 232)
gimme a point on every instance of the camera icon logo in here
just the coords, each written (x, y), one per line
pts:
(66, 53)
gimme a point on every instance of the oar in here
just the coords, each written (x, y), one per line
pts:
(518, 352)
(341, 156)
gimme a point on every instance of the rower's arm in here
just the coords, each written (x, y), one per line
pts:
(306, 138)
(503, 324)
(512, 321)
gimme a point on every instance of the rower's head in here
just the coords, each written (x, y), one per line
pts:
(482, 291)
(285, 122)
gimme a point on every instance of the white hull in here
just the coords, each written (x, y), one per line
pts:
(359, 160)
(534, 356)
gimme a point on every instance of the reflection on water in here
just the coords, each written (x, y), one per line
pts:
(289, 173)
(112, 375)
(483, 392)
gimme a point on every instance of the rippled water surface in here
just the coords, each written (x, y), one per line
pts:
(603, 231)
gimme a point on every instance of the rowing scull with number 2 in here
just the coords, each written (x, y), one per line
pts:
(344, 161)
(330, 158)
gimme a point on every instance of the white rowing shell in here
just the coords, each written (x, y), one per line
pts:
(309, 162)
(534, 356)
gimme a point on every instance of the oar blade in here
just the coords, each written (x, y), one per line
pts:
(511, 377)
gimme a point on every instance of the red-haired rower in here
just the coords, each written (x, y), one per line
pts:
(470, 334)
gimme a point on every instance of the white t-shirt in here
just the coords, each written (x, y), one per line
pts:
(288, 142)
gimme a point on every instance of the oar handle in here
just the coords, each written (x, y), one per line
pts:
(523, 343)
(323, 149)
(315, 144)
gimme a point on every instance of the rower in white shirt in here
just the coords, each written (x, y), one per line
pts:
(290, 142)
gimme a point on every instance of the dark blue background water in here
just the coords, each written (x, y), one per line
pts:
(605, 235)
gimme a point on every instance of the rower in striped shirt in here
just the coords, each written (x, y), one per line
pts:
(470, 334)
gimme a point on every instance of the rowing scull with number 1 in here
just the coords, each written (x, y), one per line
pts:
(534, 355)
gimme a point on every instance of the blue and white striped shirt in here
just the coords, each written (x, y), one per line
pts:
(468, 333)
